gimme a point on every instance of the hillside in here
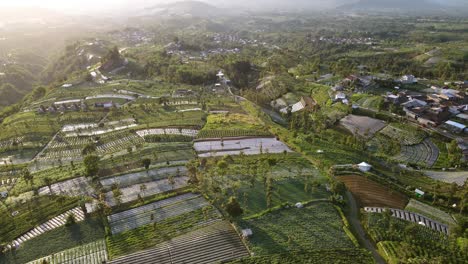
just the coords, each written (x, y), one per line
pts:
(400, 6)
(184, 8)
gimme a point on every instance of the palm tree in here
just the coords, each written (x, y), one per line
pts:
(27, 176)
(171, 181)
(143, 189)
(48, 183)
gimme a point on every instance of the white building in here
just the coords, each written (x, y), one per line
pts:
(364, 167)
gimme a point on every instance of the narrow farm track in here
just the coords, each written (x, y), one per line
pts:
(354, 221)
(213, 244)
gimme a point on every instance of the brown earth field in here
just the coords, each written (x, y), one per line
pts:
(371, 194)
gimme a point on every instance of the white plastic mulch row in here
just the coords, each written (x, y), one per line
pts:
(71, 128)
(168, 131)
(143, 176)
(110, 96)
(131, 193)
(249, 146)
(48, 226)
(119, 144)
(74, 187)
(149, 207)
(158, 214)
(98, 132)
(92, 253)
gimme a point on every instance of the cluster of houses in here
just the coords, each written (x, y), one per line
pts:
(133, 36)
(337, 92)
(434, 108)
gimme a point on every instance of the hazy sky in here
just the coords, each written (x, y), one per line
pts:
(77, 5)
(94, 6)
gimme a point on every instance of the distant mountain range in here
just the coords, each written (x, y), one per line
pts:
(184, 8)
(404, 6)
(210, 8)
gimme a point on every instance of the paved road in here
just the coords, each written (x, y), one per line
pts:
(354, 221)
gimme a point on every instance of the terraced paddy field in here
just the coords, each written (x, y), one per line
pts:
(371, 194)
(212, 244)
(318, 226)
(425, 153)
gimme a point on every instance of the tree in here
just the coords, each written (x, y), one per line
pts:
(233, 207)
(88, 149)
(27, 176)
(143, 188)
(70, 220)
(91, 163)
(146, 163)
(48, 183)
(117, 195)
(171, 181)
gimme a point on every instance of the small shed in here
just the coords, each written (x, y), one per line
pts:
(419, 193)
(364, 167)
(4, 194)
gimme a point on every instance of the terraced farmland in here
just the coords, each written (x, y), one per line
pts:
(316, 226)
(412, 217)
(458, 177)
(168, 131)
(212, 244)
(210, 133)
(370, 193)
(156, 212)
(131, 192)
(232, 146)
(70, 148)
(47, 226)
(74, 187)
(362, 125)
(92, 253)
(143, 176)
(407, 135)
(425, 154)
(430, 211)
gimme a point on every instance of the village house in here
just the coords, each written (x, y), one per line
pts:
(455, 127)
(306, 103)
(105, 105)
(182, 93)
(408, 79)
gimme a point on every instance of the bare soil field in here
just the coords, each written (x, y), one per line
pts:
(371, 194)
